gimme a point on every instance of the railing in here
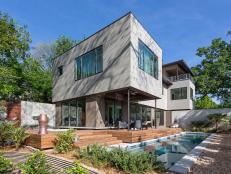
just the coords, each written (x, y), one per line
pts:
(180, 77)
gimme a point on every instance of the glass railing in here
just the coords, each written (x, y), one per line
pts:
(180, 77)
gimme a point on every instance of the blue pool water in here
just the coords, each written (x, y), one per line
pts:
(171, 149)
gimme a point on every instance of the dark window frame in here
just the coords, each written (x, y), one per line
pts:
(155, 60)
(60, 70)
(191, 93)
(181, 96)
(81, 57)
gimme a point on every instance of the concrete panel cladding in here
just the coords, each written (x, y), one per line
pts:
(140, 79)
(115, 40)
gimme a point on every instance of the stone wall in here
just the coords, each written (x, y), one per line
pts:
(32, 109)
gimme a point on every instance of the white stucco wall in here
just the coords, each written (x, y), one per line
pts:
(177, 115)
(31, 109)
(182, 104)
(160, 103)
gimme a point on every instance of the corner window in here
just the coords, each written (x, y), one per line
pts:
(191, 93)
(179, 93)
(89, 64)
(147, 60)
(60, 70)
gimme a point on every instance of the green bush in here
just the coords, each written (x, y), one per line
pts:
(131, 162)
(77, 169)
(6, 132)
(216, 119)
(36, 164)
(64, 141)
(6, 166)
(94, 153)
(19, 136)
(134, 162)
(200, 126)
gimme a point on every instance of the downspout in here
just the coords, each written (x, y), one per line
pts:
(155, 114)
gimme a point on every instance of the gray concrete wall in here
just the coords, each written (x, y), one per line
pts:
(140, 79)
(198, 115)
(115, 40)
(31, 109)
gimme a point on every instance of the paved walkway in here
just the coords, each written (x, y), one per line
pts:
(215, 159)
(58, 165)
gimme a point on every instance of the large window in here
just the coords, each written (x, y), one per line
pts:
(179, 93)
(73, 113)
(113, 112)
(90, 63)
(139, 112)
(147, 60)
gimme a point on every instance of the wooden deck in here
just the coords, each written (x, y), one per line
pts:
(105, 137)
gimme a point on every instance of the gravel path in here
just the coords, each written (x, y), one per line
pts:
(216, 158)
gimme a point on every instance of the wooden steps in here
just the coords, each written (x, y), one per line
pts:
(97, 137)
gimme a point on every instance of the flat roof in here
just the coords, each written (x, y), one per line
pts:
(182, 64)
(129, 13)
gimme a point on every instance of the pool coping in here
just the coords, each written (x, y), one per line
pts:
(184, 165)
(130, 145)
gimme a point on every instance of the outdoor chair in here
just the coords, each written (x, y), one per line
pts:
(122, 125)
(146, 124)
(138, 124)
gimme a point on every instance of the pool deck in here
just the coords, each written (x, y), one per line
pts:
(215, 158)
(211, 156)
(105, 137)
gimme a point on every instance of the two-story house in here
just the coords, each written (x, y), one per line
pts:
(117, 74)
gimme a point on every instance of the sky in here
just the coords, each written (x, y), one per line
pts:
(178, 26)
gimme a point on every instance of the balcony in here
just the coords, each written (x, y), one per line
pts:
(180, 77)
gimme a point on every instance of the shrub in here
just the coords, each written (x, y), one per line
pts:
(6, 166)
(216, 119)
(6, 132)
(64, 141)
(19, 136)
(131, 162)
(134, 162)
(77, 169)
(200, 126)
(36, 164)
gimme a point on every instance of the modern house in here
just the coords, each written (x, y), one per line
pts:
(117, 76)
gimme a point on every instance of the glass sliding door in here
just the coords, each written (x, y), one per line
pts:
(140, 112)
(65, 114)
(81, 113)
(73, 113)
(159, 117)
(113, 112)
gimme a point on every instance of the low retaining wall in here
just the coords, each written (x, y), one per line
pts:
(184, 118)
(32, 109)
(25, 111)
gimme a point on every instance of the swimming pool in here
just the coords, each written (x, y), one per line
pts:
(170, 149)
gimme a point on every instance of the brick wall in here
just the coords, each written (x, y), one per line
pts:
(14, 111)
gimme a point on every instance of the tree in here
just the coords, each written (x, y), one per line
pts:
(23, 76)
(38, 82)
(45, 53)
(14, 49)
(213, 74)
(205, 102)
(216, 119)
